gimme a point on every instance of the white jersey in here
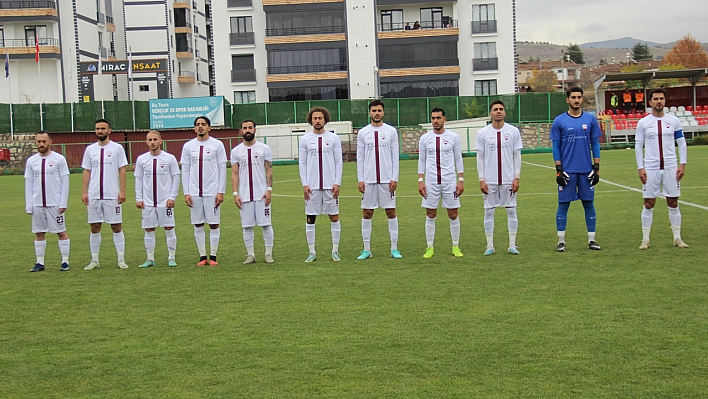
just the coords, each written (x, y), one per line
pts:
(156, 179)
(658, 136)
(377, 154)
(104, 162)
(46, 181)
(495, 147)
(320, 160)
(439, 156)
(203, 167)
(252, 183)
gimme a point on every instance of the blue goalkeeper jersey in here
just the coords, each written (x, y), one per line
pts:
(576, 135)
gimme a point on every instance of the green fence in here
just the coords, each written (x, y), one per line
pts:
(77, 117)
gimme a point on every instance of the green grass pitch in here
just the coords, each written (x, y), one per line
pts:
(619, 323)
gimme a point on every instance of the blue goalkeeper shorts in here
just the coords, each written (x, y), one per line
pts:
(578, 187)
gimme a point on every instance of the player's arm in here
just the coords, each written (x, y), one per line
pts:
(85, 179)
(29, 185)
(174, 187)
(269, 180)
(517, 171)
(302, 168)
(594, 175)
(459, 166)
(421, 167)
(65, 186)
(186, 163)
(395, 163)
(683, 153)
(483, 187)
(122, 176)
(138, 175)
(562, 178)
(639, 153)
(235, 180)
(360, 154)
(338, 167)
(221, 170)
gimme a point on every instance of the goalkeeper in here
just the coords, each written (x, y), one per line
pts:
(575, 134)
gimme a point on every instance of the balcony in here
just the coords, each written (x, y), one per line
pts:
(239, 3)
(306, 69)
(28, 8)
(485, 64)
(446, 23)
(309, 30)
(399, 64)
(238, 39)
(14, 5)
(181, 4)
(186, 77)
(23, 46)
(185, 52)
(246, 75)
(489, 26)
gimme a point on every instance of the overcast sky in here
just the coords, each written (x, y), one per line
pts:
(562, 21)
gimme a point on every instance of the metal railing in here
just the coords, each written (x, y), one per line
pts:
(419, 63)
(306, 69)
(489, 26)
(240, 3)
(184, 49)
(394, 26)
(485, 64)
(110, 20)
(181, 1)
(186, 74)
(309, 30)
(10, 5)
(47, 41)
(247, 75)
(182, 24)
(241, 38)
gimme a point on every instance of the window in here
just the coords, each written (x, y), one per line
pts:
(304, 22)
(39, 32)
(184, 42)
(485, 57)
(391, 20)
(303, 61)
(419, 89)
(418, 55)
(309, 93)
(241, 24)
(483, 19)
(431, 17)
(2, 37)
(182, 18)
(144, 88)
(242, 69)
(485, 87)
(244, 97)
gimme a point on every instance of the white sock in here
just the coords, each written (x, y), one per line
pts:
(393, 232)
(513, 224)
(429, 231)
(119, 242)
(366, 233)
(561, 237)
(95, 244)
(310, 234)
(248, 240)
(591, 236)
(214, 236)
(64, 246)
(200, 237)
(171, 238)
(647, 218)
(150, 245)
(39, 248)
(268, 238)
(675, 219)
(336, 229)
(489, 226)
(455, 231)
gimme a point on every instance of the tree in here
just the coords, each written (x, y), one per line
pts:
(687, 52)
(575, 53)
(543, 81)
(632, 68)
(641, 52)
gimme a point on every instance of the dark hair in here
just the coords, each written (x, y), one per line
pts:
(102, 121)
(575, 89)
(43, 132)
(324, 111)
(659, 90)
(208, 122)
(437, 109)
(374, 103)
(246, 121)
(495, 102)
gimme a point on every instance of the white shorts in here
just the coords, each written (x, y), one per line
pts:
(662, 182)
(255, 213)
(47, 219)
(322, 202)
(499, 195)
(158, 216)
(377, 196)
(450, 200)
(204, 211)
(105, 211)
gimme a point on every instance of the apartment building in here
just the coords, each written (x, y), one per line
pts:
(284, 50)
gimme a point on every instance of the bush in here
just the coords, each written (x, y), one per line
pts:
(700, 140)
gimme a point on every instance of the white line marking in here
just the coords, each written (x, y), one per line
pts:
(705, 208)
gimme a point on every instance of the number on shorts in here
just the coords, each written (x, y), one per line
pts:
(511, 192)
(169, 211)
(266, 212)
(60, 219)
(117, 210)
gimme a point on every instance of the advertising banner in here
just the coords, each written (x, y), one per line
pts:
(178, 113)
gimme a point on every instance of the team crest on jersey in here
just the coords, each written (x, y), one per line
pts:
(255, 154)
(162, 165)
(506, 136)
(585, 127)
(383, 136)
(327, 142)
(51, 164)
(668, 126)
(208, 150)
(445, 142)
(109, 153)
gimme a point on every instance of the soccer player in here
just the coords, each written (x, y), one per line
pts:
(320, 164)
(252, 175)
(440, 160)
(659, 170)
(498, 150)
(46, 198)
(103, 190)
(204, 184)
(377, 171)
(575, 136)
(156, 187)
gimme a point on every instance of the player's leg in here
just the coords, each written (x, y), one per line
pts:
(166, 219)
(40, 246)
(263, 219)
(566, 195)
(313, 207)
(367, 215)
(213, 218)
(149, 223)
(56, 225)
(248, 220)
(64, 248)
(586, 193)
(198, 218)
(434, 191)
(393, 232)
(650, 190)
(331, 208)
(95, 219)
(491, 202)
(672, 192)
(508, 201)
(112, 211)
(451, 202)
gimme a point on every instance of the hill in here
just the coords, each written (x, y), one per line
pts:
(592, 55)
(624, 43)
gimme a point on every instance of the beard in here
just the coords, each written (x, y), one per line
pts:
(249, 136)
(101, 137)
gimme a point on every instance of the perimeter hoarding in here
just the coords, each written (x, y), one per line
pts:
(178, 113)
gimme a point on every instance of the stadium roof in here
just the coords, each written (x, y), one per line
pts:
(693, 74)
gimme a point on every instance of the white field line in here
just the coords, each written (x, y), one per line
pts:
(705, 208)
